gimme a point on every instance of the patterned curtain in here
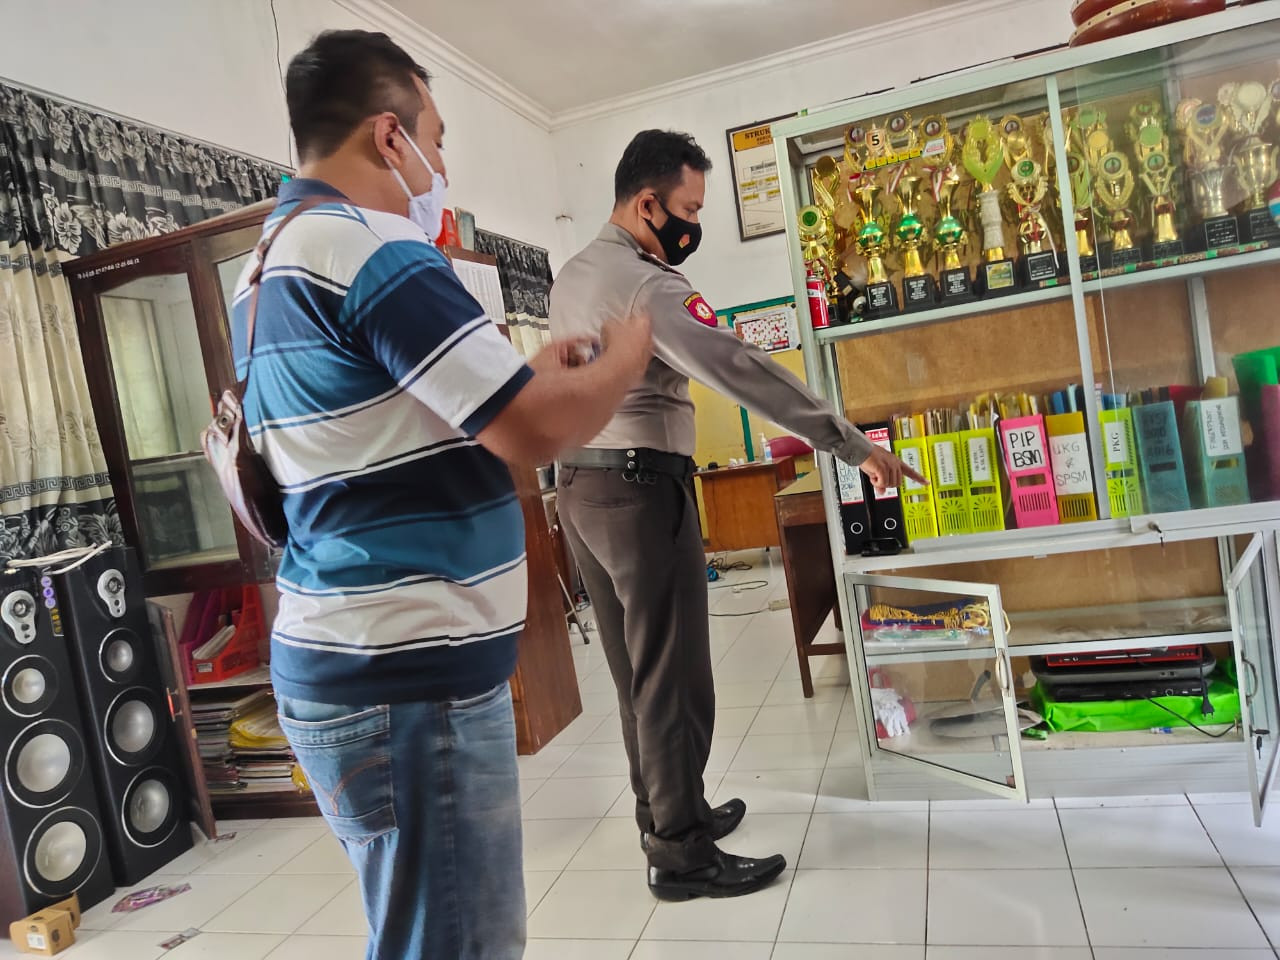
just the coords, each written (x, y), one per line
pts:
(525, 273)
(73, 182)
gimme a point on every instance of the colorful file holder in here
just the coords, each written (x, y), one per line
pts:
(947, 471)
(1255, 370)
(982, 474)
(1072, 464)
(1214, 450)
(918, 511)
(1026, 458)
(1164, 479)
(1120, 459)
(1266, 439)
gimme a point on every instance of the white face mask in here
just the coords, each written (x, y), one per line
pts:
(425, 209)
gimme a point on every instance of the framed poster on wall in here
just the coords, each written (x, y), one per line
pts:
(754, 166)
(769, 324)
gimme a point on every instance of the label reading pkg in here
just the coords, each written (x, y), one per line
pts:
(1069, 453)
(913, 458)
(947, 471)
(979, 460)
(1117, 444)
(1220, 426)
(850, 481)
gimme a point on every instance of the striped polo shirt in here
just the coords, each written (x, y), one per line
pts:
(373, 370)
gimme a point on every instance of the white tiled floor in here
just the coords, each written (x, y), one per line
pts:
(1160, 878)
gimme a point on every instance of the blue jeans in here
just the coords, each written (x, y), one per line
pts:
(425, 799)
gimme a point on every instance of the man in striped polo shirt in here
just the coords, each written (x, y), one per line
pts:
(384, 403)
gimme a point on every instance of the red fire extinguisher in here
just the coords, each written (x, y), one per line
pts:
(818, 313)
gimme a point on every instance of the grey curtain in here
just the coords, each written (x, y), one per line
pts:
(73, 182)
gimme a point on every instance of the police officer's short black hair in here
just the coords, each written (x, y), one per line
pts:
(341, 79)
(655, 160)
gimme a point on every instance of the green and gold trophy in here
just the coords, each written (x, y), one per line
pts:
(906, 183)
(1204, 126)
(1114, 187)
(819, 232)
(1248, 107)
(872, 238)
(1156, 171)
(983, 157)
(1028, 186)
(1082, 199)
(939, 155)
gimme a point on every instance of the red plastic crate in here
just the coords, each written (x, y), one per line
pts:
(211, 611)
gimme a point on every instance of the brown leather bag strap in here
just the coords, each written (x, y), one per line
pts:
(255, 279)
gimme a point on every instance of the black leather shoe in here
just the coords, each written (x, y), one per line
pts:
(724, 820)
(726, 876)
(726, 817)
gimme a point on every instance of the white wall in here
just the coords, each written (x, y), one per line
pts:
(207, 68)
(727, 271)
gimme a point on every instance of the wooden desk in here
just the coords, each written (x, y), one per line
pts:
(737, 502)
(806, 560)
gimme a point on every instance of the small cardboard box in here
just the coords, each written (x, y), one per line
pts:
(45, 933)
(72, 906)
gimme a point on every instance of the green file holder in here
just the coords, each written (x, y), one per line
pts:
(1164, 479)
(982, 474)
(948, 462)
(1120, 454)
(1255, 370)
(1214, 452)
(918, 511)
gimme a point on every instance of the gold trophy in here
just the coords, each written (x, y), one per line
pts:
(949, 235)
(872, 240)
(983, 157)
(818, 231)
(1082, 198)
(1156, 171)
(1204, 126)
(1028, 186)
(1248, 108)
(1114, 188)
(918, 286)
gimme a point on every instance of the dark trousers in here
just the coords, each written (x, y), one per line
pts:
(639, 547)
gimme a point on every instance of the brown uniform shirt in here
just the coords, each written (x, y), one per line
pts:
(612, 278)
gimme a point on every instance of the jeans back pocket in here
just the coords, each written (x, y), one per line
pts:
(346, 754)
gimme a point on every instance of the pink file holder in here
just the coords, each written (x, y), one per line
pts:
(1026, 457)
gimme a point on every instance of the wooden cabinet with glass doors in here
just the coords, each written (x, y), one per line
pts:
(1069, 324)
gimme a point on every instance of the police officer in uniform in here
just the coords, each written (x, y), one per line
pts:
(627, 505)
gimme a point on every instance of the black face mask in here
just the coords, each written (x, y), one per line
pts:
(678, 237)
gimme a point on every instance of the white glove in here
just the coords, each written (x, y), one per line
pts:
(887, 705)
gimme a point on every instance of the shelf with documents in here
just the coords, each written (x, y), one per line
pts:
(1100, 424)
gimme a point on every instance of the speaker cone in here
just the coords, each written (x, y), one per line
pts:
(132, 728)
(29, 686)
(150, 811)
(44, 762)
(120, 655)
(62, 852)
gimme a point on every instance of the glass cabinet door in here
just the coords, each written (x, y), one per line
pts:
(941, 685)
(163, 396)
(1253, 620)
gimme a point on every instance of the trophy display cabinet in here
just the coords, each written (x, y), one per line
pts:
(1069, 325)
(153, 322)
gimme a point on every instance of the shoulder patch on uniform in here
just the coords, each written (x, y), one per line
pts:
(700, 309)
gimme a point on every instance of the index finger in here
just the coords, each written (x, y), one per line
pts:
(918, 478)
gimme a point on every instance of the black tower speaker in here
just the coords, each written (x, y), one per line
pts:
(132, 742)
(51, 838)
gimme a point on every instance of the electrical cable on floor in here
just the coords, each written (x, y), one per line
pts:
(1212, 736)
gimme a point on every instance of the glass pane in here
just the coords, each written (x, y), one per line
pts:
(1258, 673)
(164, 399)
(1172, 154)
(937, 678)
(228, 276)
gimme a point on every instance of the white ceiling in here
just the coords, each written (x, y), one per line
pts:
(565, 54)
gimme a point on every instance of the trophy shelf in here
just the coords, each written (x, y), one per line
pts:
(1196, 265)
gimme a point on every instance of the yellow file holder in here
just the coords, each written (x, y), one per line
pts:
(982, 477)
(947, 462)
(1120, 453)
(1072, 467)
(918, 511)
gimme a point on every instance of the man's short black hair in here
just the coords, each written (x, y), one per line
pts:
(655, 160)
(341, 79)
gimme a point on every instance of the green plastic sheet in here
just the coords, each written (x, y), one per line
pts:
(1109, 716)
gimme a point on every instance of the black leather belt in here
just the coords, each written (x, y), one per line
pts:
(638, 464)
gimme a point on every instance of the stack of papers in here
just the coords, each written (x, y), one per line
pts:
(263, 760)
(213, 719)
